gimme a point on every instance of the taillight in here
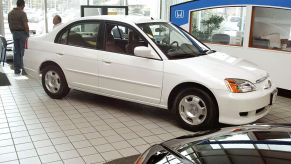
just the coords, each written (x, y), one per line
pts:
(26, 44)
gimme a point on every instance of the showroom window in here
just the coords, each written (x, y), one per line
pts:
(271, 29)
(34, 12)
(219, 25)
(81, 35)
(121, 39)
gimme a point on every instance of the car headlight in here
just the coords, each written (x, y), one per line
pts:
(239, 85)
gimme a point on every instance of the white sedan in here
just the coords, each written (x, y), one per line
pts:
(150, 62)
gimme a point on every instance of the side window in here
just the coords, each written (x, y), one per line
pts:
(122, 39)
(81, 35)
(63, 38)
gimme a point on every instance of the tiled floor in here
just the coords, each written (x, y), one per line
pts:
(83, 128)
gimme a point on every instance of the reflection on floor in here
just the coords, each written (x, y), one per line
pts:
(83, 128)
(4, 81)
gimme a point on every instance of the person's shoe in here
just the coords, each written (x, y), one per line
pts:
(17, 72)
(23, 72)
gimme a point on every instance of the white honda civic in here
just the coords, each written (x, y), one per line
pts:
(150, 62)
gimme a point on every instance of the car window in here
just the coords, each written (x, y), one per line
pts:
(122, 39)
(63, 38)
(81, 35)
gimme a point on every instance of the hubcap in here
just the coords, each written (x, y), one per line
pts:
(192, 110)
(52, 81)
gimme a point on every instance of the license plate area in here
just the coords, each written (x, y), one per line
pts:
(273, 97)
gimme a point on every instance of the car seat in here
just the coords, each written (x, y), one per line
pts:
(133, 41)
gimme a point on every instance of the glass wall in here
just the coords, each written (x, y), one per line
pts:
(219, 25)
(271, 29)
(135, 7)
(35, 15)
(67, 9)
(70, 9)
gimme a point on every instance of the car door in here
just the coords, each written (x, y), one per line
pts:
(122, 74)
(78, 45)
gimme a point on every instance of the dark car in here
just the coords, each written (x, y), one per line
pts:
(249, 144)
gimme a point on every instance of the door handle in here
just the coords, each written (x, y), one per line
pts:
(107, 62)
(61, 54)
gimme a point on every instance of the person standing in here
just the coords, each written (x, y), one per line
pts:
(18, 24)
(57, 20)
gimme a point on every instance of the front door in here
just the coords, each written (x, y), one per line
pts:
(122, 74)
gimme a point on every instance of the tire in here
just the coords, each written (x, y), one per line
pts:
(54, 82)
(202, 108)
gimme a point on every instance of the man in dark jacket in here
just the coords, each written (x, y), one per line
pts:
(18, 25)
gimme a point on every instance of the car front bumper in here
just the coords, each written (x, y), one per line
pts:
(243, 108)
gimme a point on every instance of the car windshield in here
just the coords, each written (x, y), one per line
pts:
(229, 147)
(173, 41)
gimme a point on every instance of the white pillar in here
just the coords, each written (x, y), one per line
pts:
(1, 20)
(45, 16)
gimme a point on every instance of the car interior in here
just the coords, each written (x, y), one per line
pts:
(122, 39)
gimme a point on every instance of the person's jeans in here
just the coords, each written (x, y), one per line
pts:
(19, 38)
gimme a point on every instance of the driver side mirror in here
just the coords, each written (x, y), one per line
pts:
(143, 51)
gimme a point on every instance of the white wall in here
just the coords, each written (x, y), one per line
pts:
(277, 63)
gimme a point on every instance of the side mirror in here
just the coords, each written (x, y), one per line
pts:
(143, 51)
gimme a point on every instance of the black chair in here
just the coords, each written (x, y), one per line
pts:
(3, 46)
(221, 38)
(261, 43)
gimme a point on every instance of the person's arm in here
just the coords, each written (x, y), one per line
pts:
(9, 21)
(26, 27)
(25, 22)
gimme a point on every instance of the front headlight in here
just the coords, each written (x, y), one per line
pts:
(239, 85)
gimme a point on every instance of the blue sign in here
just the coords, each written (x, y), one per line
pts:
(179, 14)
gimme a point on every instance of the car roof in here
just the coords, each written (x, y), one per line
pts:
(130, 19)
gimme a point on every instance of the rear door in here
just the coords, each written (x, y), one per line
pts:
(77, 48)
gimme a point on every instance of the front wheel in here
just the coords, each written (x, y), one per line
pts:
(54, 82)
(195, 109)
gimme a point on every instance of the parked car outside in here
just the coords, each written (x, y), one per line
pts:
(151, 62)
(236, 145)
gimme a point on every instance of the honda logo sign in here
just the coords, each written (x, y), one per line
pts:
(179, 14)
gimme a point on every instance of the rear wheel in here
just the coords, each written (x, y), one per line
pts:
(195, 109)
(54, 82)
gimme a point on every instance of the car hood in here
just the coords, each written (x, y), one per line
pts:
(253, 142)
(224, 66)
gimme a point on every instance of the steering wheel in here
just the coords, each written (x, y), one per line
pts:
(173, 49)
(174, 42)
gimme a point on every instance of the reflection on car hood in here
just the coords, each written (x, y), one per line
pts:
(246, 144)
(225, 66)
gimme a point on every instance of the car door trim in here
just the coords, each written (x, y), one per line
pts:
(130, 81)
(82, 72)
(135, 95)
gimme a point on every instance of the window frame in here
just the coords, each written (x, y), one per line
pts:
(207, 42)
(117, 23)
(68, 28)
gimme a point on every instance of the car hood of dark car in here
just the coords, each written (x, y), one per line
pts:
(246, 144)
